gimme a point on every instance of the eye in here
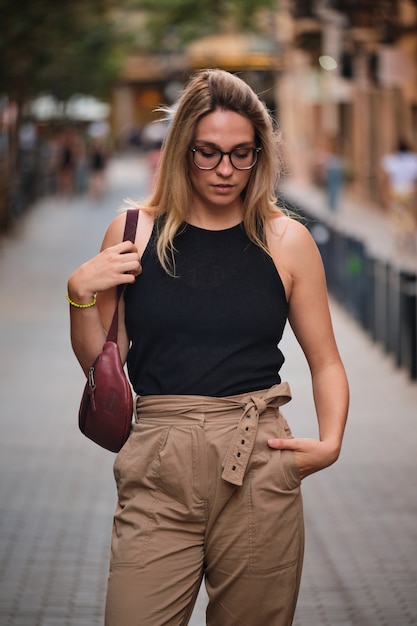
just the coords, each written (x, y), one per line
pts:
(242, 153)
(207, 153)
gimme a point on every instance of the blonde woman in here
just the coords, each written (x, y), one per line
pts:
(209, 479)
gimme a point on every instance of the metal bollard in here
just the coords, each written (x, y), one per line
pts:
(408, 323)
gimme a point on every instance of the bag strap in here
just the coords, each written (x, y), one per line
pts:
(128, 235)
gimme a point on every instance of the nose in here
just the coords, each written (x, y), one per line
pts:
(225, 166)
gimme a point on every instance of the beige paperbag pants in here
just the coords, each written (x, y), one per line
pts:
(202, 494)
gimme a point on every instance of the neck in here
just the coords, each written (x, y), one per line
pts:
(216, 220)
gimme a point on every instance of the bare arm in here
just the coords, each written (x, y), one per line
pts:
(117, 263)
(310, 320)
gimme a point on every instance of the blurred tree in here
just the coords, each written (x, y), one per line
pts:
(60, 48)
(172, 23)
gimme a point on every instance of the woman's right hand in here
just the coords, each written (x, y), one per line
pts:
(115, 265)
(118, 263)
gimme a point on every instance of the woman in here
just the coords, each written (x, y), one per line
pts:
(209, 480)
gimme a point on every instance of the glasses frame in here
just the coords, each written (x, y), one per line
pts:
(222, 154)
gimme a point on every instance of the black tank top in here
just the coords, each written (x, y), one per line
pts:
(214, 328)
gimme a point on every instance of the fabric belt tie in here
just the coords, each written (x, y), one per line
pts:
(240, 449)
(170, 409)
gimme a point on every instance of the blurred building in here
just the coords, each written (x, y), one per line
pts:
(338, 70)
(351, 77)
(149, 81)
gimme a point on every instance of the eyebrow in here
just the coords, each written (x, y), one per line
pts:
(210, 144)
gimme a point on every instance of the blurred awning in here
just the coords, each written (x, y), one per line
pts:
(234, 52)
(45, 108)
(87, 108)
(79, 108)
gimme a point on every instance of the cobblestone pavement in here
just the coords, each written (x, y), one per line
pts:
(57, 490)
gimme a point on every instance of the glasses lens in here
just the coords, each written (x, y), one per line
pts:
(243, 158)
(207, 158)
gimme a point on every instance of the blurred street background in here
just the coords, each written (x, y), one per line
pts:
(80, 86)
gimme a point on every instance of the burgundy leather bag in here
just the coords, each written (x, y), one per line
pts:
(105, 414)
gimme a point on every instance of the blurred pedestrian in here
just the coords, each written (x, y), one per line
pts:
(49, 155)
(81, 163)
(27, 166)
(400, 193)
(66, 162)
(209, 479)
(332, 165)
(97, 164)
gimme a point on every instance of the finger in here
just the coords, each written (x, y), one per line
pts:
(133, 268)
(282, 444)
(127, 278)
(130, 264)
(128, 257)
(122, 248)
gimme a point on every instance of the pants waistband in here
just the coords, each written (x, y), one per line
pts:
(247, 408)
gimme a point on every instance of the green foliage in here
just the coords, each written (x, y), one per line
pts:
(61, 48)
(173, 23)
(76, 46)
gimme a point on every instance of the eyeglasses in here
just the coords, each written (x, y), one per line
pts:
(209, 158)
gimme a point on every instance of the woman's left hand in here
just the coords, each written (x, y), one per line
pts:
(311, 455)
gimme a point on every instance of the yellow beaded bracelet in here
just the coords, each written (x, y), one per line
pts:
(82, 306)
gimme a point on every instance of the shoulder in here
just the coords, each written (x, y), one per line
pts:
(293, 250)
(115, 230)
(288, 234)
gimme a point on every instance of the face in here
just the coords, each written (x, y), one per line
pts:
(218, 191)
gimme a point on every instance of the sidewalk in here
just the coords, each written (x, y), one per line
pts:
(57, 490)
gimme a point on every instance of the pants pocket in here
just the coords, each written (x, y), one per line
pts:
(275, 506)
(136, 471)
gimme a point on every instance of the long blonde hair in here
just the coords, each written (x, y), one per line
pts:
(208, 91)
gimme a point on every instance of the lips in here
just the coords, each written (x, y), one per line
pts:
(223, 187)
